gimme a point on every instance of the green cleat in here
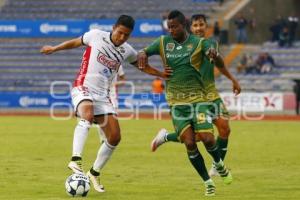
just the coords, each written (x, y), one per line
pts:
(210, 188)
(224, 172)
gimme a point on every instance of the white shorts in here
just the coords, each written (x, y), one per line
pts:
(114, 101)
(102, 105)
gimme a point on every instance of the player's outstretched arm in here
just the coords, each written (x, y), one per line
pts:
(142, 59)
(219, 62)
(69, 44)
(154, 72)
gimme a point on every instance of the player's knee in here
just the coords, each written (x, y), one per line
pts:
(224, 132)
(190, 144)
(84, 123)
(88, 116)
(208, 140)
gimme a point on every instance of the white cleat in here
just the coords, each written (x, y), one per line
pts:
(213, 171)
(96, 182)
(76, 167)
(159, 139)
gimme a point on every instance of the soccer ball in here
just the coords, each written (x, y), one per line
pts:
(77, 185)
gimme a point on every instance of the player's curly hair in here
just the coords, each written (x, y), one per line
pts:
(178, 15)
(126, 21)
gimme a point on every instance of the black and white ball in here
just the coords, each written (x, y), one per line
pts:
(77, 185)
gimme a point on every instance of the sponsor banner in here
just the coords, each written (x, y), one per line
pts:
(142, 101)
(72, 28)
(46, 100)
(253, 102)
(32, 100)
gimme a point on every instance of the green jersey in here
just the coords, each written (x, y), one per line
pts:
(207, 72)
(185, 85)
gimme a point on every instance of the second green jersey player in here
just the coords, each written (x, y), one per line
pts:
(217, 109)
(185, 93)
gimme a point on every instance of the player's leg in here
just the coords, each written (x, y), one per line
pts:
(202, 123)
(222, 125)
(218, 164)
(164, 136)
(110, 126)
(195, 157)
(221, 121)
(84, 109)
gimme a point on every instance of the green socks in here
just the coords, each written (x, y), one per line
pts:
(198, 162)
(222, 147)
(172, 137)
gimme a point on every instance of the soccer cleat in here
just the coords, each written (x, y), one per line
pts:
(223, 172)
(210, 188)
(213, 171)
(76, 166)
(159, 139)
(96, 182)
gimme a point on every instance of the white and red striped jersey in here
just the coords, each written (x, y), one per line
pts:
(101, 61)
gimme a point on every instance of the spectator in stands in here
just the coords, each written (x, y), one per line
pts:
(217, 31)
(247, 65)
(265, 62)
(157, 86)
(242, 63)
(241, 25)
(284, 37)
(297, 95)
(275, 28)
(292, 25)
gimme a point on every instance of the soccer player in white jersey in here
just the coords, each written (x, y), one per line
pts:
(101, 60)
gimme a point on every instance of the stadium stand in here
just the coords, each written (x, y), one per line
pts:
(22, 68)
(279, 79)
(95, 9)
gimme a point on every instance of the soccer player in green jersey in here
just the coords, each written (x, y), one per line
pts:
(218, 109)
(185, 93)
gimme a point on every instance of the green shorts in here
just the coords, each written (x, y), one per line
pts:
(218, 109)
(192, 115)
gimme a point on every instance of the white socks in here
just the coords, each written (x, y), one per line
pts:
(103, 156)
(80, 134)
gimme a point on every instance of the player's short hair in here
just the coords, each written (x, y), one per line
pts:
(178, 15)
(197, 17)
(126, 21)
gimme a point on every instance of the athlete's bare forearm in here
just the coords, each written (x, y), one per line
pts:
(70, 44)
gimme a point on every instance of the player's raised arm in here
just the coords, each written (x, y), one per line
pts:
(69, 44)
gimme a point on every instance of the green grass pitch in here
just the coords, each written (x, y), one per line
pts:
(34, 152)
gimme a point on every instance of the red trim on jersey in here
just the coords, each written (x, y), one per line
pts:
(84, 67)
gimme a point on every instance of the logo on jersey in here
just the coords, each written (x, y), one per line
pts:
(108, 62)
(179, 47)
(189, 47)
(170, 46)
